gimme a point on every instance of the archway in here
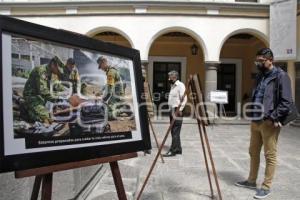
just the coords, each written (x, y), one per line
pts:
(112, 37)
(236, 72)
(175, 50)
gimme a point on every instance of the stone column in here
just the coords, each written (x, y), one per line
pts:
(147, 91)
(210, 85)
(145, 64)
(291, 70)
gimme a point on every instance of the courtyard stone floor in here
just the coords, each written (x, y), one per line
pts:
(184, 176)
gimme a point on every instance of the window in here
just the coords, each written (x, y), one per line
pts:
(44, 61)
(15, 55)
(25, 57)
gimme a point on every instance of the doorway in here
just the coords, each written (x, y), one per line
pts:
(227, 82)
(161, 86)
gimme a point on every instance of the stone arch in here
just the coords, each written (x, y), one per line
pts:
(185, 30)
(97, 30)
(258, 34)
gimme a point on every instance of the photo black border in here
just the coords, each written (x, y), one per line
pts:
(63, 37)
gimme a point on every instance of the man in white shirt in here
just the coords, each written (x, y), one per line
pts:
(175, 96)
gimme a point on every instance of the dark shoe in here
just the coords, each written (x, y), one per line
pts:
(147, 152)
(262, 193)
(169, 154)
(246, 184)
(178, 152)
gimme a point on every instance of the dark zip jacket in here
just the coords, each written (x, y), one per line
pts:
(282, 107)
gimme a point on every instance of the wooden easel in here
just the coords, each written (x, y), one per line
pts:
(155, 138)
(44, 175)
(150, 121)
(204, 141)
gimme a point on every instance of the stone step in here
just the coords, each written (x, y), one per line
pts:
(188, 120)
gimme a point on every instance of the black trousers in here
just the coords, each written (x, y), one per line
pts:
(175, 132)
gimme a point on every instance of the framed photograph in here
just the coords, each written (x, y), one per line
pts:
(200, 109)
(67, 97)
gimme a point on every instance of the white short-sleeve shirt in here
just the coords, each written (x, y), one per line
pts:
(176, 94)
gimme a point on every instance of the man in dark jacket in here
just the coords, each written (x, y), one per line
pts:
(265, 126)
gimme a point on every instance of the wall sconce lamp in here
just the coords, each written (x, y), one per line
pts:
(194, 49)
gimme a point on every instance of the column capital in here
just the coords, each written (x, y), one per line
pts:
(145, 63)
(211, 65)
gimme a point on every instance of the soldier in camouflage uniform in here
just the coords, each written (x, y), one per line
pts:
(37, 91)
(71, 74)
(114, 88)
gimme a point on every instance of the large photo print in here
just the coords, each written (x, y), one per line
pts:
(60, 96)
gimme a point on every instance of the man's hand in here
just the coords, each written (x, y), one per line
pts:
(274, 123)
(74, 100)
(277, 124)
(179, 114)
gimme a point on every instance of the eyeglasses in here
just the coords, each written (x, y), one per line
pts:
(260, 61)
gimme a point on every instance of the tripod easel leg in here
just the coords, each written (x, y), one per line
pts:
(118, 180)
(36, 188)
(161, 146)
(155, 160)
(205, 158)
(205, 143)
(155, 138)
(203, 147)
(212, 163)
(47, 186)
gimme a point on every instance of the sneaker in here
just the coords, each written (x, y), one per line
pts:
(262, 193)
(246, 184)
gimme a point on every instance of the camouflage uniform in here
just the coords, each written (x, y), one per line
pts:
(37, 92)
(114, 91)
(71, 76)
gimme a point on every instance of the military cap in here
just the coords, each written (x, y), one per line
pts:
(101, 59)
(71, 61)
(58, 62)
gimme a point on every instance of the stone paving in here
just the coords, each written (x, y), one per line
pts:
(184, 176)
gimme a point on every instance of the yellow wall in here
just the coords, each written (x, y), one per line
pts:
(120, 40)
(106, 9)
(232, 12)
(130, 9)
(177, 10)
(181, 48)
(37, 11)
(246, 51)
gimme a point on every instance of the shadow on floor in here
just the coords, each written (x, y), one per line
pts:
(231, 177)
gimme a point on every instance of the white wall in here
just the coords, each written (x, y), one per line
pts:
(141, 31)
